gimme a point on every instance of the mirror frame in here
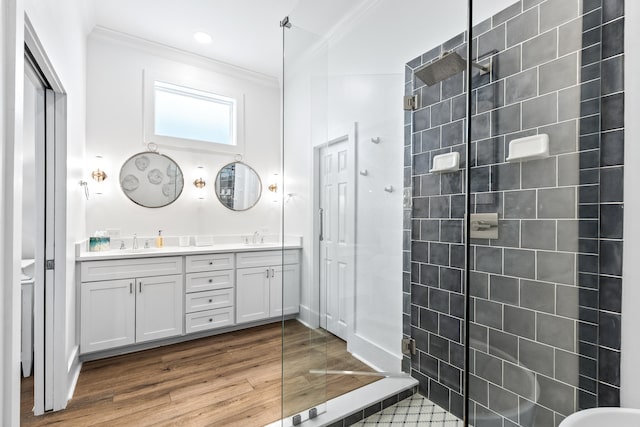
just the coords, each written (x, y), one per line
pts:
(158, 154)
(215, 186)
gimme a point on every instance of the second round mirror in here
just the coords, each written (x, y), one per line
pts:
(238, 186)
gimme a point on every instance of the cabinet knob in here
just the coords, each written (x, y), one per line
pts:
(210, 262)
(210, 280)
(210, 300)
(210, 320)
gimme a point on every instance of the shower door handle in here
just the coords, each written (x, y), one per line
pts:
(321, 213)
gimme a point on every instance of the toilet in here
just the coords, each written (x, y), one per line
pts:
(26, 346)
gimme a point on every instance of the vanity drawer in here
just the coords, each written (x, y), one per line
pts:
(210, 280)
(208, 300)
(92, 271)
(267, 258)
(210, 262)
(209, 319)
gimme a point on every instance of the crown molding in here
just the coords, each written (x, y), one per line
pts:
(168, 52)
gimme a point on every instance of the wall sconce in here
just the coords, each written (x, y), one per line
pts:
(275, 180)
(200, 182)
(98, 174)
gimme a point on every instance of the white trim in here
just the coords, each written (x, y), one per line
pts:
(11, 95)
(151, 76)
(373, 355)
(168, 52)
(630, 372)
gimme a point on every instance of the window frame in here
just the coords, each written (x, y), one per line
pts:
(150, 77)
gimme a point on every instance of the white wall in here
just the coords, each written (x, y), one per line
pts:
(630, 370)
(115, 131)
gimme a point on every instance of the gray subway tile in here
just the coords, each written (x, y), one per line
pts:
(569, 169)
(490, 151)
(612, 115)
(536, 357)
(507, 13)
(492, 41)
(488, 367)
(489, 259)
(556, 331)
(479, 284)
(490, 97)
(453, 133)
(421, 119)
(522, 86)
(503, 402)
(537, 296)
(504, 289)
(558, 267)
(570, 37)
(441, 113)
(520, 263)
(519, 322)
(540, 49)
(522, 27)
(540, 111)
(613, 38)
(567, 367)
(557, 396)
(539, 173)
(505, 120)
(505, 177)
(505, 346)
(488, 313)
(555, 12)
(480, 126)
(507, 63)
(563, 137)
(567, 301)
(557, 203)
(520, 204)
(559, 74)
(519, 380)
(508, 234)
(539, 234)
(569, 103)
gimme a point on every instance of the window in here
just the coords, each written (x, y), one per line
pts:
(192, 116)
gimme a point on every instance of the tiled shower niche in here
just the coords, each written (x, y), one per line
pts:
(545, 296)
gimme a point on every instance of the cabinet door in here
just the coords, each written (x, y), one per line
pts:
(159, 307)
(284, 290)
(252, 294)
(107, 314)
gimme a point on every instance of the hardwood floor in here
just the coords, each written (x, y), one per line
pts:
(233, 379)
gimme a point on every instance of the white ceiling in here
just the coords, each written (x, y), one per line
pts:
(246, 33)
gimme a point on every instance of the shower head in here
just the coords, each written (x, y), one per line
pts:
(449, 64)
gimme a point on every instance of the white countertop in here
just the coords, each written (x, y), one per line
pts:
(186, 250)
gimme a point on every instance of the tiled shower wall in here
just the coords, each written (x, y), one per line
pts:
(545, 306)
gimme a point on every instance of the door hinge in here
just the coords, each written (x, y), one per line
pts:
(411, 102)
(50, 264)
(408, 346)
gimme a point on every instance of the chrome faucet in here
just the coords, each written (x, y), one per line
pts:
(122, 245)
(254, 239)
(146, 244)
(135, 242)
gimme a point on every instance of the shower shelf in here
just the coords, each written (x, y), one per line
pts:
(529, 148)
(449, 162)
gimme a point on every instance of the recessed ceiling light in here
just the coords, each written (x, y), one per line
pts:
(202, 37)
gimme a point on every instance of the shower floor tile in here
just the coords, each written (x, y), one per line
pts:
(413, 411)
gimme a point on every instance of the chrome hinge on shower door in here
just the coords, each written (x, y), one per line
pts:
(408, 346)
(411, 102)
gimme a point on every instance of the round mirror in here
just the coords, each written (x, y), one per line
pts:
(151, 179)
(238, 186)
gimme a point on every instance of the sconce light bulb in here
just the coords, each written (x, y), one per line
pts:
(199, 183)
(98, 175)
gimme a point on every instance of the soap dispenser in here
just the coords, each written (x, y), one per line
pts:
(159, 240)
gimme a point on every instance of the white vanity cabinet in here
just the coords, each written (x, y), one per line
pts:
(130, 301)
(262, 277)
(210, 296)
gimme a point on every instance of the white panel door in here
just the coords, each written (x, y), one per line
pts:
(252, 294)
(107, 315)
(336, 246)
(159, 307)
(285, 290)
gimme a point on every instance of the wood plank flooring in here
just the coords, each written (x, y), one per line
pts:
(232, 379)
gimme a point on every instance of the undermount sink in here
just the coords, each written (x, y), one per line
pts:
(136, 251)
(598, 417)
